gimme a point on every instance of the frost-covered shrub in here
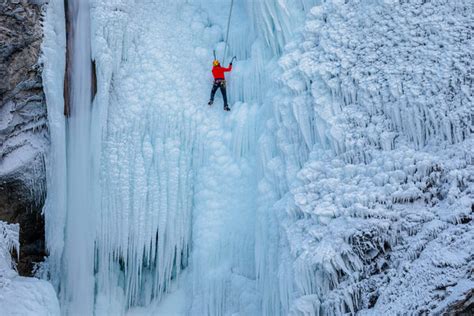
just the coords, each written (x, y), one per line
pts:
(9, 240)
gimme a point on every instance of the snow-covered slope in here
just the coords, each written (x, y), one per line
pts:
(21, 295)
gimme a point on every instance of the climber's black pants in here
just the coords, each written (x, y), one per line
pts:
(218, 83)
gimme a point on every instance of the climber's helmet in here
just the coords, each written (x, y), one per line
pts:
(216, 63)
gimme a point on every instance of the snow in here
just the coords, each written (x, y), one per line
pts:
(174, 304)
(342, 170)
(21, 295)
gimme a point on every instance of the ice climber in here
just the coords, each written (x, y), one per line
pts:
(219, 82)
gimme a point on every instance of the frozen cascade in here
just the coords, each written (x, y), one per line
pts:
(287, 205)
(172, 172)
(78, 258)
(69, 208)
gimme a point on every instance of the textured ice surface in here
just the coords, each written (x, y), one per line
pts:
(53, 58)
(374, 132)
(174, 174)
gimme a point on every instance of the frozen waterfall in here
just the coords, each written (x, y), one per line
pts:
(157, 183)
(78, 259)
(159, 204)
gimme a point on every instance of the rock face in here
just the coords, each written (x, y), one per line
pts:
(462, 307)
(23, 127)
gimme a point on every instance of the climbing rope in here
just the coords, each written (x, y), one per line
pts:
(228, 28)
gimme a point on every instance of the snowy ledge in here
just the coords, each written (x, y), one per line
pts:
(21, 295)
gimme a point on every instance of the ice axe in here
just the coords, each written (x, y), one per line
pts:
(233, 58)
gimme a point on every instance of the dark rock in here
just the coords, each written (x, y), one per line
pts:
(463, 307)
(23, 127)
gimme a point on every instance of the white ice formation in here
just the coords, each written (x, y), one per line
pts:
(341, 182)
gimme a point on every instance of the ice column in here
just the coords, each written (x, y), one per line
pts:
(77, 275)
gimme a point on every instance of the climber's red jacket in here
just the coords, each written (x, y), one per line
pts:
(218, 71)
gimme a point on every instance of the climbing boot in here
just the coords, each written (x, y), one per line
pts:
(210, 102)
(226, 108)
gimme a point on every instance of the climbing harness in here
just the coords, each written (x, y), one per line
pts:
(228, 28)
